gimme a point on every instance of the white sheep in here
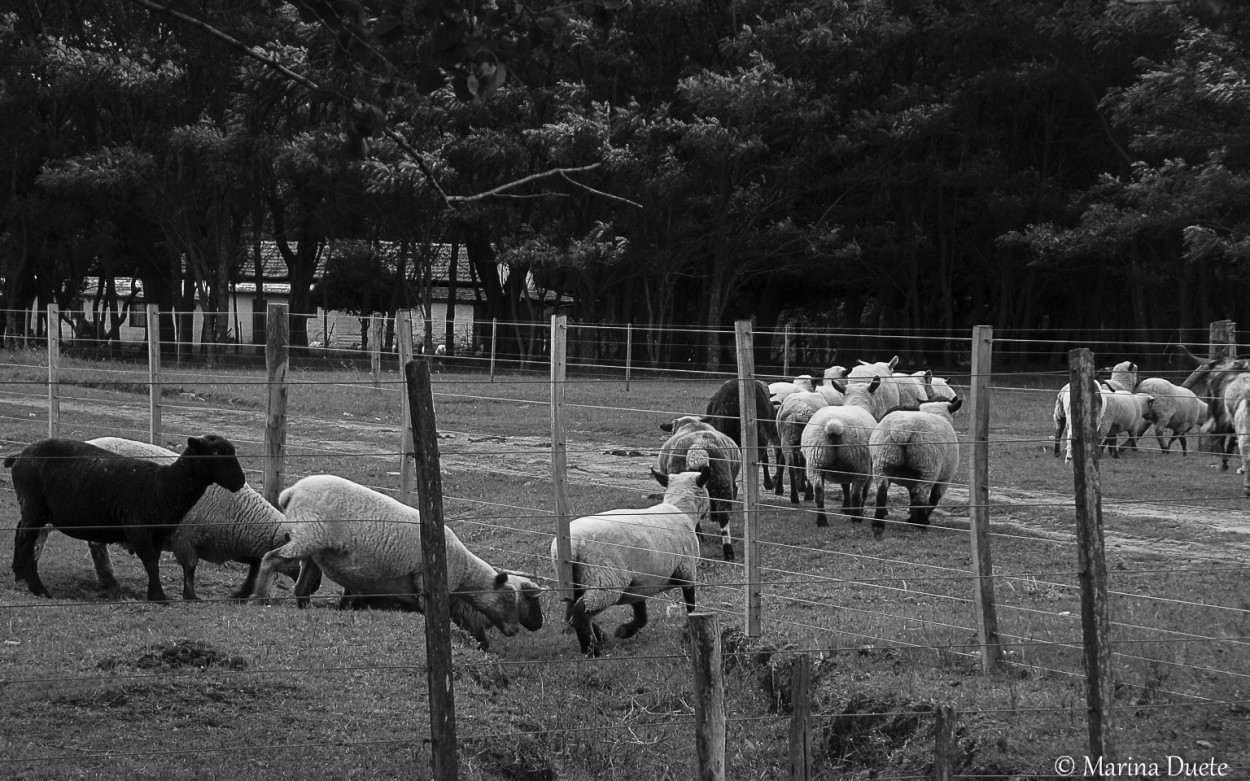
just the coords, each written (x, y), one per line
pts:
(1122, 412)
(792, 418)
(835, 447)
(1172, 407)
(1123, 376)
(888, 395)
(941, 390)
(94, 495)
(919, 451)
(625, 557)
(913, 389)
(694, 444)
(370, 544)
(221, 527)
(1062, 417)
(778, 391)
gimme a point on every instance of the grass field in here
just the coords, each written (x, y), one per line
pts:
(222, 690)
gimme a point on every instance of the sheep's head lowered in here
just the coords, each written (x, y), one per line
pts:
(511, 603)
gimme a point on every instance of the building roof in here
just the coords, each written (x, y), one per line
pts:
(273, 267)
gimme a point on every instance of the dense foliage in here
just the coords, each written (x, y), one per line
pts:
(1068, 164)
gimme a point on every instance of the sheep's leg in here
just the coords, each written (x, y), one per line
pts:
(103, 567)
(879, 515)
(25, 563)
(821, 520)
(309, 572)
(778, 483)
(148, 553)
(629, 629)
(768, 478)
(687, 595)
(188, 559)
(589, 636)
(720, 514)
(853, 501)
(269, 564)
(249, 582)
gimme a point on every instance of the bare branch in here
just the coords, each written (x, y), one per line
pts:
(600, 193)
(523, 180)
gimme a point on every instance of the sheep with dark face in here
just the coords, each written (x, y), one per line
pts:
(693, 445)
(835, 446)
(917, 450)
(95, 495)
(1225, 385)
(792, 418)
(724, 415)
(221, 527)
(625, 557)
(370, 544)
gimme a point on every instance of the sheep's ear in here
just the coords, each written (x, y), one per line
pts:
(876, 383)
(928, 376)
(954, 404)
(501, 579)
(195, 444)
(839, 386)
(893, 362)
(705, 474)
(660, 477)
(667, 427)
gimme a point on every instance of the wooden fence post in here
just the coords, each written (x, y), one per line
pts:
(1223, 339)
(800, 717)
(979, 501)
(785, 352)
(559, 454)
(375, 352)
(944, 743)
(434, 560)
(629, 351)
(154, 373)
(277, 361)
(709, 696)
(54, 371)
(750, 474)
(494, 331)
(1095, 621)
(407, 464)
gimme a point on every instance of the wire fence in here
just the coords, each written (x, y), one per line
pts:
(891, 624)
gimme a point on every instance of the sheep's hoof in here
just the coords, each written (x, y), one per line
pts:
(625, 631)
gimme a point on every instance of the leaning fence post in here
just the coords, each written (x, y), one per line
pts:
(276, 364)
(1095, 621)
(709, 696)
(979, 501)
(154, 374)
(800, 716)
(407, 466)
(434, 561)
(750, 474)
(54, 371)
(559, 455)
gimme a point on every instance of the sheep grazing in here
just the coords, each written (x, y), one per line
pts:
(792, 418)
(919, 451)
(370, 544)
(693, 445)
(724, 416)
(1171, 407)
(835, 447)
(221, 527)
(1225, 384)
(92, 494)
(625, 557)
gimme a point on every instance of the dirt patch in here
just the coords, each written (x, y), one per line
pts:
(180, 654)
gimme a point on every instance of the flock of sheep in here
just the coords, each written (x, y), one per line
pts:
(870, 425)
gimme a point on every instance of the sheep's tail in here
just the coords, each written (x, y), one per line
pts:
(835, 428)
(697, 458)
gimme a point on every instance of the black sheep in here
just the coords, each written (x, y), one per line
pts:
(95, 495)
(724, 416)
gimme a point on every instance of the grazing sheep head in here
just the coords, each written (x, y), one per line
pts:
(213, 460)
(477, 611)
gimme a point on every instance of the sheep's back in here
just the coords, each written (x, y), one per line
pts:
(641, 548)
(836, 439)
(916, 445)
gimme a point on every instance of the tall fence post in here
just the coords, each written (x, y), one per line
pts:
(1095, 620)
(785, 351)
(154, 373)
(375, 352)
(559, 453)
(494, 332)
(1223, 339)
(54, 371)
(434, 560)
(800, 718)
(407, 465)
(979, 501)
(629, 351)
(709, 696)
(750, 474)
(277, 361)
